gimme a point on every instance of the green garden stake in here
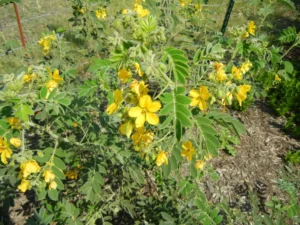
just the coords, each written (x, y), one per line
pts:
(227, 16)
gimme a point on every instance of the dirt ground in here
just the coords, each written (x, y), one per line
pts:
(259, 158)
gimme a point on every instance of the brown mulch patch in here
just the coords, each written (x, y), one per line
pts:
(259, 156)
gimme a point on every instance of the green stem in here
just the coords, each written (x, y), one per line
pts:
(290, 48)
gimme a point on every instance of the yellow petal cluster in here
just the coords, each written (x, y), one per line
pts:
(139, 88)
(241, 93)
(52, 185)
(199, 97)
(220, 74)
(72, 174)
(200, 164)
(5, 151)
(46, 41)
(145, 111)
(48, 176)
(14, 122)
(16, 142)
(29, 167)
(237, 73)
(162, 158)
(188, 150)
(138, 69)
(246, 66)
(101, 13)
(124, 75)
(183, 3)
(82, 10)
(118, 98)
(141, 11)
(23, 187)
(142, 138)
(251, 27)
(277, 78)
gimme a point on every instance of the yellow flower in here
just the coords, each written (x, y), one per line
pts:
(81, 10)
(125, 11)
(188, 150)
(52, 185)
(145, 111)
(237, 73)
(101, 13)
(141, 11)
(241, 93)
(218, 66)
(199, 97)
(48, 176)
(138, 69)
(246, 66)
(75, 124)
(5, 151)
(124, 75)
(29, 167)
(5, 154)
(23, 187)
(198, 7)
(14, 122)
(142, 138)
(200, 165)
(245, 35)
(277, 78)
(118, 98)
(126, 128)
(72, 174)
(46, 42)
(55, 76)
(221, 75)
(28, 77)
(139, 88)
(162, 158)
(227, 100)
(183, 3)
(16, 142)
(208, 157)
(251, 27)
(51, 85)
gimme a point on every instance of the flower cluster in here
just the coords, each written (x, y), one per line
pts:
(5, 150)
(49, 178)
(56, 79)
(45, 42)
(29, 76)
(27, 168)
(101, 13)
(140, 10)
(250, 29)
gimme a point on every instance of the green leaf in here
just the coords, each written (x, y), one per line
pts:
(59, 163)
(64, 101)
(178, 64)
(183, 99)
(178, 131)
(166, 216)
(58, 173)
(99, 65)
(185, 121)
(59, 183)
(166, 170)
(179, 90)
(288, 66)
(185, 111)
(203, 120)
(166, 122)
(43, 92)
(166, 98)
(166, 109)
(53, 194)
(23, 111)
(208, 129)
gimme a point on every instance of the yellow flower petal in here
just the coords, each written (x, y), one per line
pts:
(152, 118)
(140, 120)
(23, 187)
(202, 105)
(16, 142)
(162, 158)
(194, 93)
(112, 108)
(135, 112)
(154, 106)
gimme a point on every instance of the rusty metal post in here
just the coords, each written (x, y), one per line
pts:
(20, 25)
